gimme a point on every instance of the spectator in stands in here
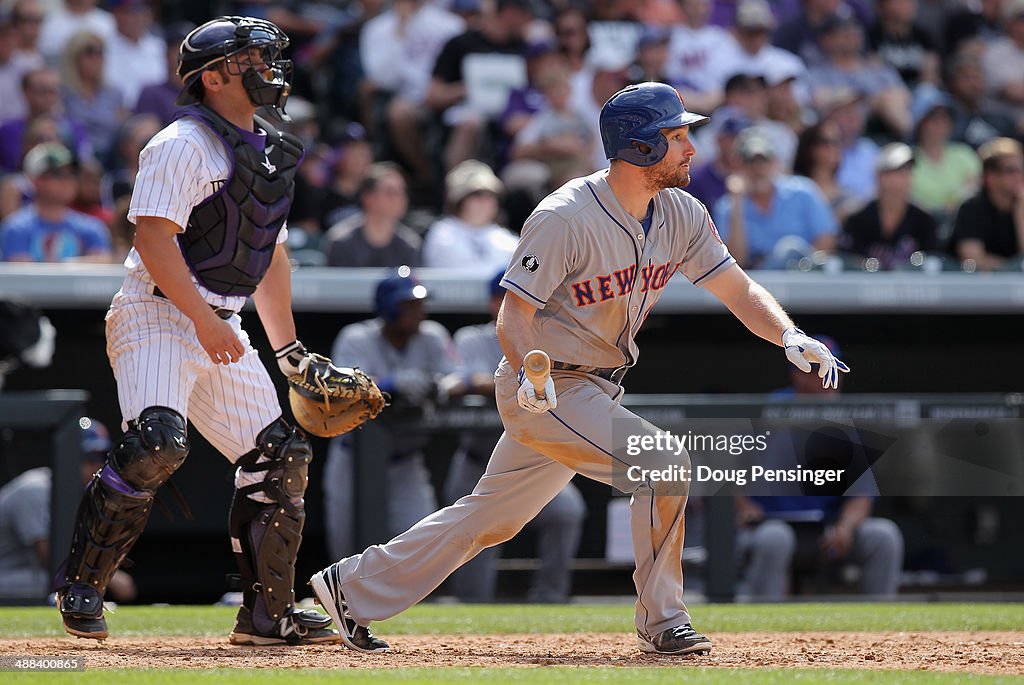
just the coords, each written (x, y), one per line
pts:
(768, 219)
(41, 89)
(572, 38)
(784, 104)
(13, 66)
(651, 61)
(750, 51)
(502, 32)
(976, 118)
(1003, 60)
(847, 109)
(845, 66)
(96, 105)
(135, 57)
(525, 102)
(747, 95)
(409, 357)
(693, 52)
(398, 49)
(818, 156)
(707, 181)
(25, 525)
(559, 523)
(945, 172)
(376, 236)
(68, 18)
(48, 230)
(17, 190)
(798, 527)
(988, 227)
(557, 138)
(898, 42)
(27, 16)
(891, 228)
(981, 21)
(800, 33)
(347, 168)
(468, 239)
(158, 99)
(93, 197)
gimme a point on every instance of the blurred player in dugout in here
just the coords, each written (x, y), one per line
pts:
(25, 525)
(794, 530)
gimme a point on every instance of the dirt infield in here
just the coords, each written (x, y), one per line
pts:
(968, 652)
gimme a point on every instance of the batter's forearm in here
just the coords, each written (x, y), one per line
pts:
(273, 299)
(515, 333)
(761, 313)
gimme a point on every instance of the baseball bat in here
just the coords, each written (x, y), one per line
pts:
(537, 367)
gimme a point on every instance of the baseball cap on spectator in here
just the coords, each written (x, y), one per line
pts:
(524, 5)
(652, 35)
(755, 15)
(732, 121)
(539, 48)
(840, 19)
(1013, 9)
(118, 4)
(753, 143)
(47, 157)
(465, 6)
(743, 81)
(494, 287)
(894, 156)
(778, 73)
(469, 177)
(926, 101)
(993, 150)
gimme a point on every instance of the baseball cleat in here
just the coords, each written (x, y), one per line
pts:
(327, 587)
(679, 640)
(295, 628)
(81, 608)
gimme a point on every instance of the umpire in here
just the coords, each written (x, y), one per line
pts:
(210, 202)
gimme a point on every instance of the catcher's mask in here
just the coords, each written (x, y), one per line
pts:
(249, 47)
(400, 287)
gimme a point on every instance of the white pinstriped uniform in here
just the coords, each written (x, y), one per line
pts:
(152, 346)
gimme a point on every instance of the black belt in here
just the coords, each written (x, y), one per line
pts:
(219, 311)
(612, 375)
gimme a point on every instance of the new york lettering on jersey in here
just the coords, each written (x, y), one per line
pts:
(594, 275)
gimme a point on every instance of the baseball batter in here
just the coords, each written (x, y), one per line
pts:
(594, 258)
(210, 202)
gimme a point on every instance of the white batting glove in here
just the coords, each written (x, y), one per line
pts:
(803, 350)
(527, 396)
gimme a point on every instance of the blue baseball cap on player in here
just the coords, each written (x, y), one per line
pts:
(95, 439)
(397, 288)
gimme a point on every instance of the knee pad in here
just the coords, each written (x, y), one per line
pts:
(266, 536)
(117, 503)
(154, 447)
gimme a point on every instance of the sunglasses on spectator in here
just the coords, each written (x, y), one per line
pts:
(92, 50)
(826, 141)
(1011, 169)
(63, 172)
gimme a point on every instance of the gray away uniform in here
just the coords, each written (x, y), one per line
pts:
(593, 276)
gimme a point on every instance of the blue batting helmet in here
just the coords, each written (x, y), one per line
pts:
(400, 287)
(632, 119)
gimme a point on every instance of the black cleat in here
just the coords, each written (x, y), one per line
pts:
(327, 588)
(679, 640)
(296, 628)
(81, 608)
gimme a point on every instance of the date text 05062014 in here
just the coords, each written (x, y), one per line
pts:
(42, 663)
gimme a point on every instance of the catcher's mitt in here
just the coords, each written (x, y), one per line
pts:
(328, 401)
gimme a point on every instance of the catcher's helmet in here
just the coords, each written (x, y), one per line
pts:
(225, 37)
(632, 119)
(400, 287)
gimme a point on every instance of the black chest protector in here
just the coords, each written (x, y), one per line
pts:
(231, 235)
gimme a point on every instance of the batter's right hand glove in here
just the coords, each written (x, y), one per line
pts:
(804, 350)
(527, 396)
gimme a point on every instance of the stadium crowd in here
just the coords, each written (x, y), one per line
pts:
(845, 134)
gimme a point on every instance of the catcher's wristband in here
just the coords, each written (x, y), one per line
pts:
(290, 357)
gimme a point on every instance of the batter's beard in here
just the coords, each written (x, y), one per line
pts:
(660, 176)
